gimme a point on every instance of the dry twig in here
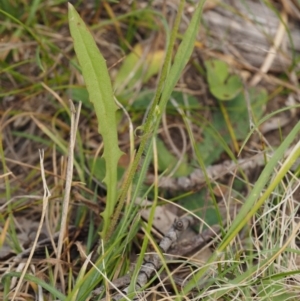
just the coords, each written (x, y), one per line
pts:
(63, 226)
(213, 172)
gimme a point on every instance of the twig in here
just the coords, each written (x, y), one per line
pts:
(197, 177)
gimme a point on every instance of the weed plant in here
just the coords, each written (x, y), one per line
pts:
(255, 254)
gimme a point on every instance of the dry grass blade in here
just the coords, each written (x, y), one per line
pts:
(63, 226)
(5, 175)
(272, 52)
(46, 197)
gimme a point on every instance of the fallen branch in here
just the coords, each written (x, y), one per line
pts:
(213, 172)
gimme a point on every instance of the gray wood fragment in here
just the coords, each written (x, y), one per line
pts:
(213, 172)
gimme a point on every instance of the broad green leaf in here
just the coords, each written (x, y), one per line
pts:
(238, 112)
(136, 67)
(216, 134)
(221, 84)
(80, 94)
(168, 161)
(200, 205)
(95, 73)
(98, 168)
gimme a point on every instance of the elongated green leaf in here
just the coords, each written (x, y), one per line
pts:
(38, 281)
(95, 73)
(182, 56)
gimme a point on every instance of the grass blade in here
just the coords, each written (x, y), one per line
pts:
(43, 284)
(182, 56)
(253, 203)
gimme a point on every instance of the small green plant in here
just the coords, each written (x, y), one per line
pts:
(222, 84)
(255, 252)
(100, 92)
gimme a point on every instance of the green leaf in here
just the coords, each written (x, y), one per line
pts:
(216, 135)
(137, 66)
(238, 112)
(48, 287)
(146, 96)
(211, 147)
(167, 161)
(95, 73)
(80, 94)
(98, 169)
(182, 56)
(221, 84)
(166, 84)
(201, 206)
